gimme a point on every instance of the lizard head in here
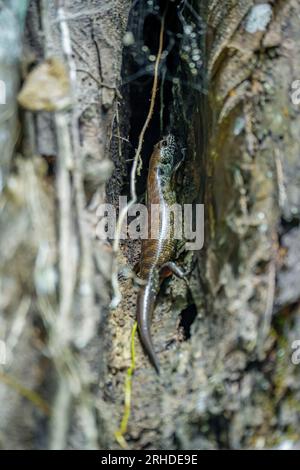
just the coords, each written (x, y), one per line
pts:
(168, 148)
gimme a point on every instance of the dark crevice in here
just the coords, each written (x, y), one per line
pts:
(187, 318)
(219, 426)
(287, 225)
(144, 24)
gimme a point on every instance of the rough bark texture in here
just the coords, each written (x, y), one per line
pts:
(224, 343)
(232, 384)
(55, 274)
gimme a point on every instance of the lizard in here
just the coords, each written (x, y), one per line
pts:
(157, 253)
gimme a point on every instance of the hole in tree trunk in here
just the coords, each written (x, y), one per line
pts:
(187, 318)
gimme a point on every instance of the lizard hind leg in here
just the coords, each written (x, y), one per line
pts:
(172, 267)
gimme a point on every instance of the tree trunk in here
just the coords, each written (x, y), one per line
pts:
(225, 341)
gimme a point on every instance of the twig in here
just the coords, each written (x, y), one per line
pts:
(17, 326)
(137, 164)
(100, 83)
(282, 197)
(119, 434)
(63, 329)
(125, 139)
(86, 264)
(61, 410)
(71, 377)
(118, 130)
(25, 392)
(63, 399)
(82, 14)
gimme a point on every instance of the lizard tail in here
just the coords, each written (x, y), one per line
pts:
(145, 307)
